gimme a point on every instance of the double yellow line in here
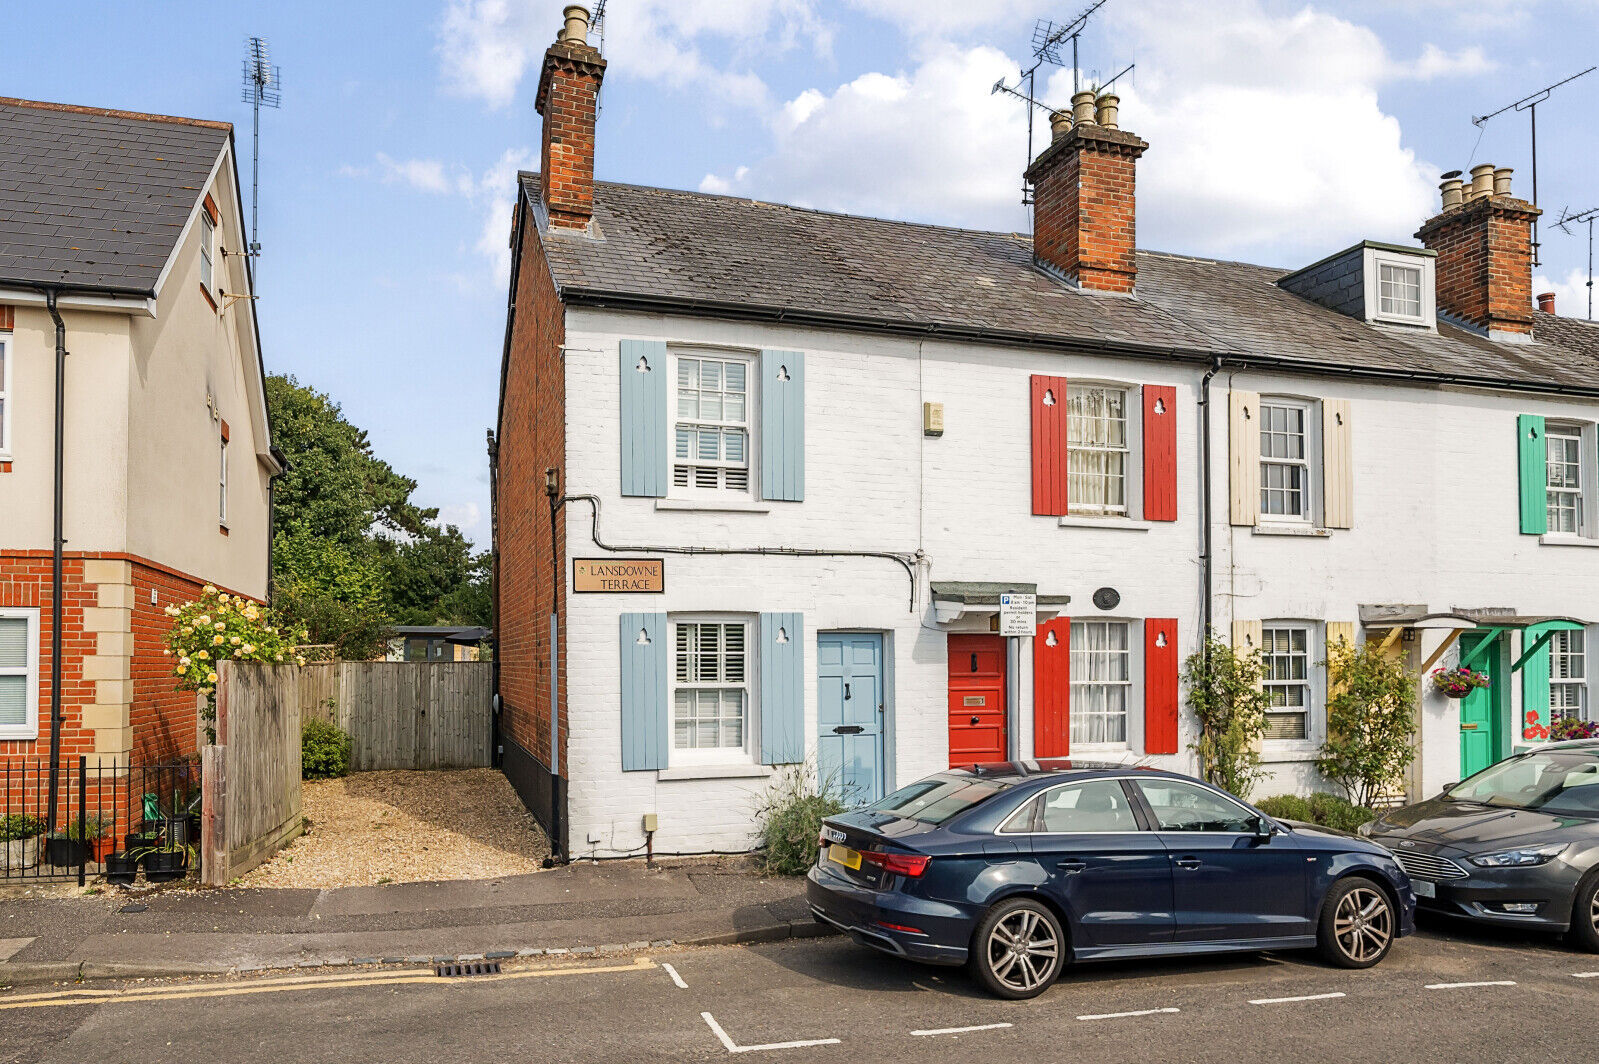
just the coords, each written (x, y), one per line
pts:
(340, 981)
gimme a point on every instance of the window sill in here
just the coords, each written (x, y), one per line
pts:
(5, 464)
(713, 772)
(739, 506)
(1290, 530)
(209, 298)
(1125, 524)
(1288, 754)
(19, 736)
(1566, 539)
(223, 529)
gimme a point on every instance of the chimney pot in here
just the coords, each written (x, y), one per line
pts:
(1107, 108)
(1484, 265)
(1482, 181)
(1060, 124)
(1546, 302)
(1083, 107)
(1450, 186)
(576, 29)
(1502, 181)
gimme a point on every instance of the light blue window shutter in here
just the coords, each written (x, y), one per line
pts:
(1532, 458)
(783, 425)
(643, 375)
(644, 711)
(782, 694)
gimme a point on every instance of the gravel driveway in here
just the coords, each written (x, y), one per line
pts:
(401, 827)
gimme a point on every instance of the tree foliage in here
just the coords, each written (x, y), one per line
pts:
(1371, 721)
(353, 555)
(1225, 693)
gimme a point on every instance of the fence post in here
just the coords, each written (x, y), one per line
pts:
(213, 818)
(84, 846)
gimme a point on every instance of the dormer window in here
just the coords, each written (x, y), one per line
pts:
(1399, 285)
(1399, 291)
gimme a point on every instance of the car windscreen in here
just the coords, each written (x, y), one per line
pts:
(936, 799)
(1562, 783)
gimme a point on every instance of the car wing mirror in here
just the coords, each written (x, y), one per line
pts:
(1263, 829)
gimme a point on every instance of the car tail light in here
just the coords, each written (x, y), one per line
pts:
(899, 864)
(901, 927)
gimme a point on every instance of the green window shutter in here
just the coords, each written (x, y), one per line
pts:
(643, 371)
(644, 714)
(1533, 455)
(783, 425)
(782, 694)
(1534, 685)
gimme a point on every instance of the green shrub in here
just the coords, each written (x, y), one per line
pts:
(790, 818)
(1371, 721)
(20, 826)
(324, 751)
(1225, 694)
(1325, 810)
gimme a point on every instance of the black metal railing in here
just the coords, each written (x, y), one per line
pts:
(110, 818)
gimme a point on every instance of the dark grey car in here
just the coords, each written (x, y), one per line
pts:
(1516, 845)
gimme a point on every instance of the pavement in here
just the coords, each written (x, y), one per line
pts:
(1448, 994)
(581, 909)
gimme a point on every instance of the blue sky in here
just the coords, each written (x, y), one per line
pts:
(1279, 131)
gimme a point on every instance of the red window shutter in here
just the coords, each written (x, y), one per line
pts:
(1160, 686)
(1052, 688)
(1049, 445)
(1160, 452)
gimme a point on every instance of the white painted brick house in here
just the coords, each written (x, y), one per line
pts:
(829, 444)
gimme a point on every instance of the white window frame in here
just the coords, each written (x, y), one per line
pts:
(1310, 411)
(1315, 646)
(752, 402)
(1400, 279)
(222, 478)
(1132, 405)
(208, 239)
(1559, 648)
(29, 728)
(8, 413)
(1576, 434)
(678, 757)
(1376, 259)
(1132, 726)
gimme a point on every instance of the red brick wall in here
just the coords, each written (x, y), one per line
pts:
(568, 98)
(25, 583)
(1484, 266)
(532, 439)
(165, 724)
(1084, 207)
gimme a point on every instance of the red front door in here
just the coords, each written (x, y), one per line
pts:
(976, 699)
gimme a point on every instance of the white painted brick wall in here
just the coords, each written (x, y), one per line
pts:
(1435, 513)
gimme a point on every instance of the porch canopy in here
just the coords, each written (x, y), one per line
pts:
(954, 599)
(1495, 622)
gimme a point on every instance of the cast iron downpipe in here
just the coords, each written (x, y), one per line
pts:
(1206, 552)
(58, 544)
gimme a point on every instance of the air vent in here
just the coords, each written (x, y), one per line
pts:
(469, 968)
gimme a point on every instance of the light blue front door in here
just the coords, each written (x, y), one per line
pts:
(849, 711)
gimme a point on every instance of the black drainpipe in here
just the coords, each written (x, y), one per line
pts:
(1206, 551)
(57, 546)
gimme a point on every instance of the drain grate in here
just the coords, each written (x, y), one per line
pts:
(457, 970)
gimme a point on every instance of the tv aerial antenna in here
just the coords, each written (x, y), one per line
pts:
(1049, 38)
(1530, 105)
(1568, 218)
(263, 87)
(597, 24)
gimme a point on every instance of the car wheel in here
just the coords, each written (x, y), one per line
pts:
(1585, 915)
(1357, 924)
(1018, 949)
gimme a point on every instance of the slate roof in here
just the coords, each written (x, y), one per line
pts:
(725, 256)
(96, 199)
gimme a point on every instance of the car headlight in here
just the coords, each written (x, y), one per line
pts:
(1523, 858)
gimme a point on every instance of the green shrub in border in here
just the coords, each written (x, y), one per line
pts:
(20, 826)
(1325, 810)
(790, 818)
(324, 751)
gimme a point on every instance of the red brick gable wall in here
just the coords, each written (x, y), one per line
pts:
(25, 583)
(165, 717)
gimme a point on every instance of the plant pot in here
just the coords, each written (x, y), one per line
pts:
(121, 869)
(21, 853)
(1457, 696)
(66, 853)
(104, 847)
(176, 830)
(164, 866)
(139, 841)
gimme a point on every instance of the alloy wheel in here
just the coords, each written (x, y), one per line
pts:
(1023, 950)
(1363, 924)
(1593, 910)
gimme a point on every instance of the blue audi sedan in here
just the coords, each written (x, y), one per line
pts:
(1015, 869)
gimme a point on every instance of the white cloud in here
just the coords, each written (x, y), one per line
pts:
(487, 47)
(944, 19)
(1434, 62)
(425, 175)
(495, 195)
(1571, 295)
(466, 516)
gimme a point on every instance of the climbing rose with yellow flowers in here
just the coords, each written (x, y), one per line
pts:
(219, 627)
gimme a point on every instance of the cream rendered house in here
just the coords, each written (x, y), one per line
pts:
(121, 261)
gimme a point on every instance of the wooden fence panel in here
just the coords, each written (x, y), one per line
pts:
(319, 692)
(251, 776)
(418, 715)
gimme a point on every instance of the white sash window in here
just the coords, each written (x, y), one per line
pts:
(1101, 670)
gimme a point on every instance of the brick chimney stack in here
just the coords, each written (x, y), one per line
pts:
(1483, 237)
(568, 98)
(1084, 217)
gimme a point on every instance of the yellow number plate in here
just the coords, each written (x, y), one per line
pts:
(844, 855)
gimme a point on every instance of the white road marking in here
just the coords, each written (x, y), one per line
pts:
(1467, 986)
(678, 979)
(1126, 1015)
(961, 1030)
(1585, 975)
(1303, 997)
(734, 1047)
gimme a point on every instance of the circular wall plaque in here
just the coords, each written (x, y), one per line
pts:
(1107, 598)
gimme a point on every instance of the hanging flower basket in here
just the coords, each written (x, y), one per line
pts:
(1458, 683)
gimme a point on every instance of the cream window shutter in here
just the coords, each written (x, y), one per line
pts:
(1243, 436)
(1337, 630)
(1247, 635)
(1337, 467)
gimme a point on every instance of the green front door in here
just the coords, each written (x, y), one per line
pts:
(1482, 711)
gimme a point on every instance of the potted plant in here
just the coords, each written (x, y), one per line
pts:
(1563, 729)
(20, 833)
(73, 845)
(138, 841)
(121, 868)
(166, 863)
(1459, 682)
